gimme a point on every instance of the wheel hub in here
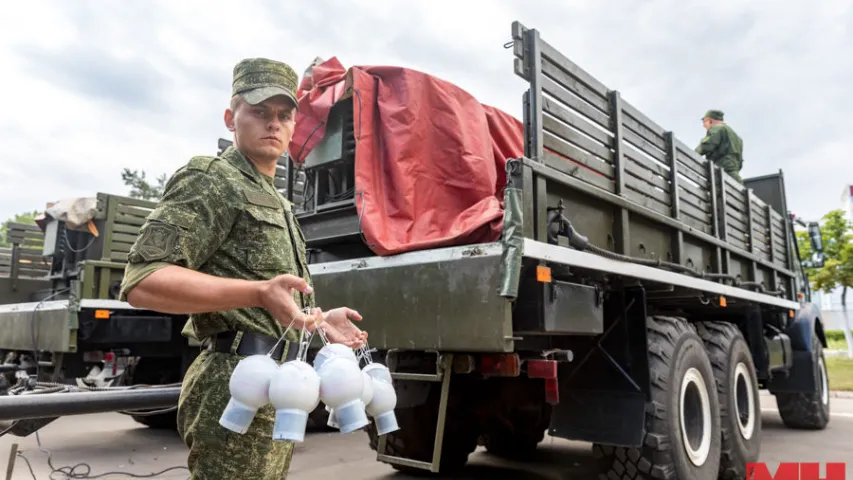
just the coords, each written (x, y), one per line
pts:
(824, 382)
(695, 416)
(744, 400)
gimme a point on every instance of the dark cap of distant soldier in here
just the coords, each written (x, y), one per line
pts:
(713, 115)
(257, 79)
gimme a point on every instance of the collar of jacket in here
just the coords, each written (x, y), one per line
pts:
(236, 158)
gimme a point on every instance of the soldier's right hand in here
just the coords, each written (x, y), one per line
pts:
(277, 297)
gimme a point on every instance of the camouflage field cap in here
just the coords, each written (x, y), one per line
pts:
(713, 115)
(257, 79)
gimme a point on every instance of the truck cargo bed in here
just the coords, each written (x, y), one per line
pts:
(449, 299)
(624, 182)
(60, 325)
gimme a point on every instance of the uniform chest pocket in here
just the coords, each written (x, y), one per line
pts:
(266, 242)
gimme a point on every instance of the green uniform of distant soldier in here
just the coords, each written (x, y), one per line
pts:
(721, 145)
(224, 247)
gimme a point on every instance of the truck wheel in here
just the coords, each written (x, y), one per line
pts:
(808, 410)
(520, 442)
(318, 420)
(520, 416)
(414, 440)
(157, 371)
(737, 388)
(682, 434)
(160, 421)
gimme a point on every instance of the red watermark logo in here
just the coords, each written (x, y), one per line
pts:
(797, 471)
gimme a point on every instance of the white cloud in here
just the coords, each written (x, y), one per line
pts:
(92, 87)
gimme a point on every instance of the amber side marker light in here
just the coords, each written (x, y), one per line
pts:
(543, 274)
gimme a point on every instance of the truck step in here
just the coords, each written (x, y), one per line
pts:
(442, 374)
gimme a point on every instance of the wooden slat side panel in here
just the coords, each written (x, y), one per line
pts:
(133, 211)
(586, 175)
(640, 124)
(641, 199)
(590, 113)
(656, 173)
(655, 181)
(126, 229)
(643, 138)
(129, 219)
(570, 132)
(574, 119)
(733, 217)
(692, 163)
(570, 81)
(577, 114)
(575, 154)
(121, 247)
(701, 203)
(734, 201)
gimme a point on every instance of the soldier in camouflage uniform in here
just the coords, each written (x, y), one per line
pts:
(223, 246)
(721, 145)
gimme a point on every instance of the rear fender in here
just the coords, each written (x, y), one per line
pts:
(801, 378)
(807, 322)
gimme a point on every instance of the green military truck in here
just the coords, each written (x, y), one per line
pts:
(70, 329)
(638, 297)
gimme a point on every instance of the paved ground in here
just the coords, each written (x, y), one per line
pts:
(111, 442)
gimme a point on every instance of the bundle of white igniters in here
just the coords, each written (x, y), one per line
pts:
(295, 389)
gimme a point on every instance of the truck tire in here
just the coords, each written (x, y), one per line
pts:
(157, 371)
(808, 411)
(683, 412)
(521, 442)
(160, 421)
(737, 388)
(519, 419)
(414, 440)
(318, 420)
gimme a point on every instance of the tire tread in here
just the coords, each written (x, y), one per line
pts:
(804, 411)
(654, 459)
(719, 339)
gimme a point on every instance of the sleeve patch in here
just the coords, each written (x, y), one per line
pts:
(157, 241)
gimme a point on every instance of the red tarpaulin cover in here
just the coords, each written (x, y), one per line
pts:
(429, 158)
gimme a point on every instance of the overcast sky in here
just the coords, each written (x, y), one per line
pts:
(92, 87)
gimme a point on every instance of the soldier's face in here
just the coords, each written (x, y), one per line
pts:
(263, 131)
(706, 122)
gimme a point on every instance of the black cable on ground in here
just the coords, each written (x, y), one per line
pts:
(81, 470)
(85, 470)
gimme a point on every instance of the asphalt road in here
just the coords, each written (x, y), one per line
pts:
(113, 442)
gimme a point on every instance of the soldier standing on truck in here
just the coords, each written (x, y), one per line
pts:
(721, 145)
(224, 247)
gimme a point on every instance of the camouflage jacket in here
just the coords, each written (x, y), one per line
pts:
(221, 216)
(724, 147)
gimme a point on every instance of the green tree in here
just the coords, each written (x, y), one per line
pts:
(140, 187)
(837, 271)
(28, 218)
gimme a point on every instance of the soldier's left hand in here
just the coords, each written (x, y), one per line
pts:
(338, 327)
